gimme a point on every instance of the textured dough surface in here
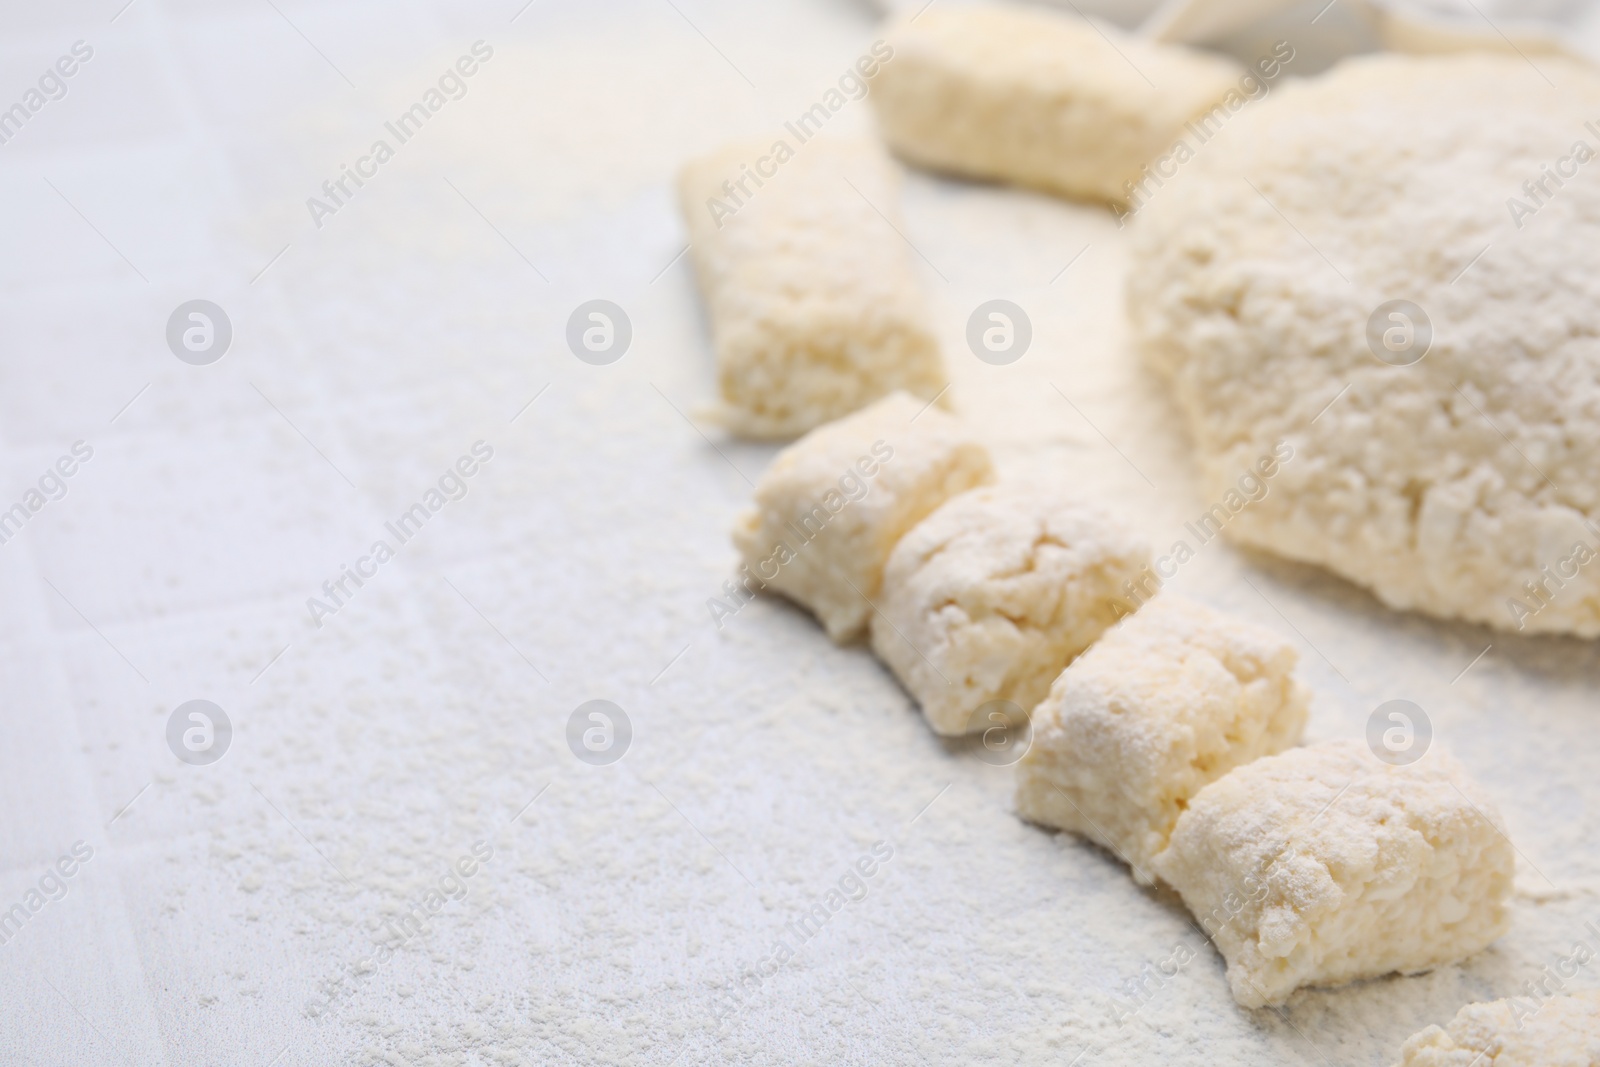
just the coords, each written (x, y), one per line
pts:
(989, 597)
(1172, 698)
(1447, 485)
(815, 309)
(1038, 98)
(1517, 1032)
(1323, 865)
(832, 506)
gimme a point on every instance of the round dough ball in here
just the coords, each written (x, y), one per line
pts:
(1464, 484)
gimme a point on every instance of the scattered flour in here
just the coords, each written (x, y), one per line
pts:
(617, 908)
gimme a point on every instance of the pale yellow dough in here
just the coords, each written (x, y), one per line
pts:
(1461, 484)
(1523, 1031)
(1038, 98)
(815, 309)
(1323, 865)
(832, 506)
(1169, 700)
(993, 594)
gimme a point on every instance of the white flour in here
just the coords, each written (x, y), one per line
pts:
(618, 910)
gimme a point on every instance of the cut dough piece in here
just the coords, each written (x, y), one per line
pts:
(1521, 1032)
(815, 309)
(833, 505)
(1039, 98)
(1172, 698)
(1323, 865)
(993, 594)
(1462, 484)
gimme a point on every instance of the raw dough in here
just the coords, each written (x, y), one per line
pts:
(1449, 485)
(1038, 98)
(832, 506)
(1323, 865)
(815, 309)
(1172, 698)
(1521, 1032)
(993, 594)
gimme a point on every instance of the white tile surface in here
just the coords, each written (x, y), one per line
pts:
(430, 710)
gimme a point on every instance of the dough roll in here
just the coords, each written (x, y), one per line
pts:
(814, 302)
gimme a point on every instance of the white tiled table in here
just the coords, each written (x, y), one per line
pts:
(427, 713)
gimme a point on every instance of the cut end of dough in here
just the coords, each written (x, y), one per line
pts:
(814, 305)
(989, 597)
(1323, 865)
(833, 505)
(1168, 701)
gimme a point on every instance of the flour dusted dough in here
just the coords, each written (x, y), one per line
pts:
(1425, 483)
(1323, 865)
(1170, 699)
(815, 309)
(834, 504)
(1520, 1032)
(993, 594)
(1038, 98)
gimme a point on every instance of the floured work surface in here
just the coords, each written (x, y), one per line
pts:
(232, 912)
